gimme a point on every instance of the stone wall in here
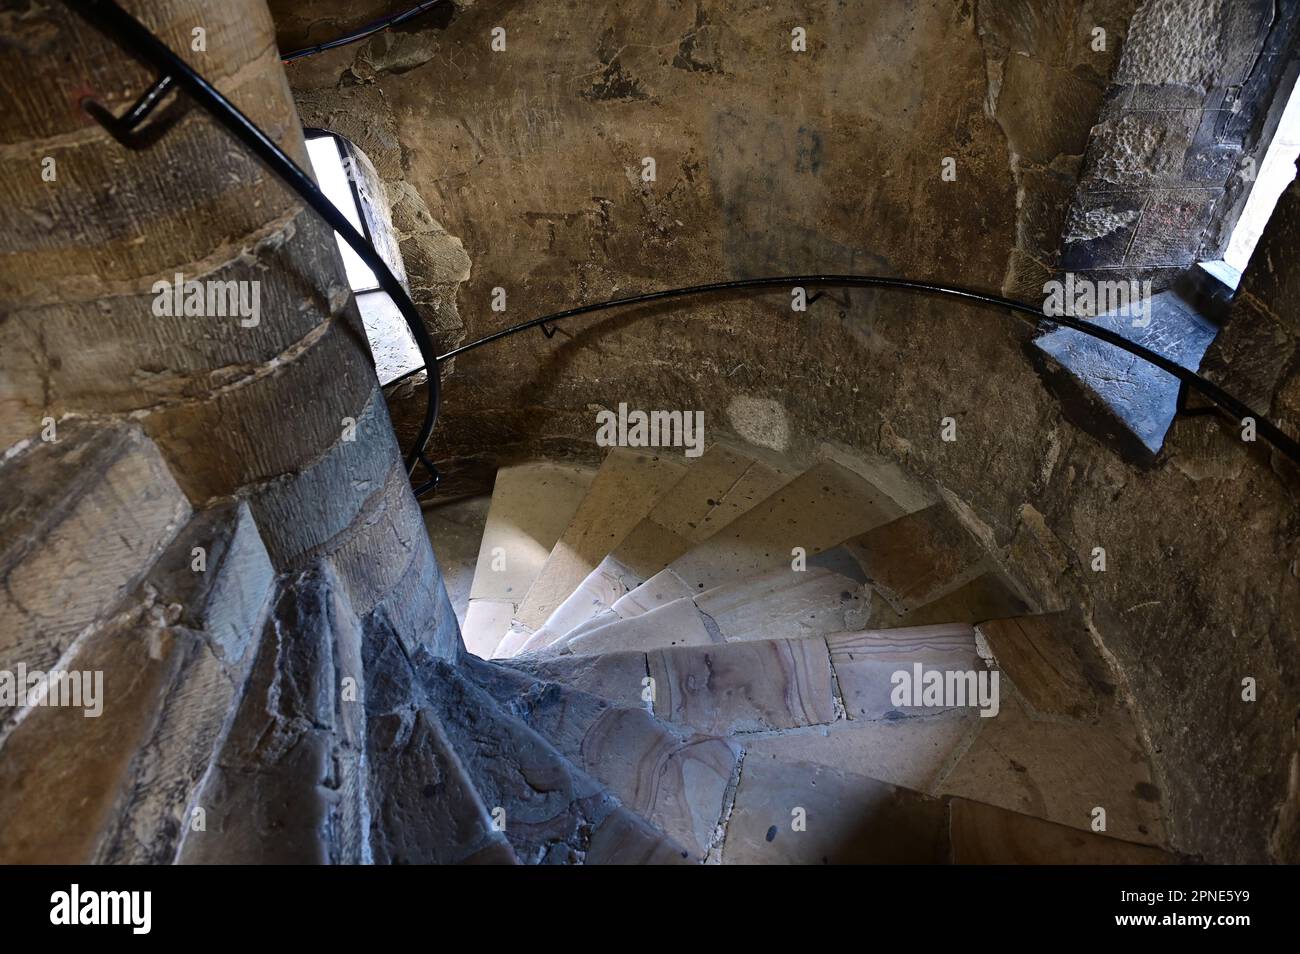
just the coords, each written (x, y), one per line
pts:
(1185, 126)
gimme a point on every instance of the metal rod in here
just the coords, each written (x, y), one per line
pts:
(1228, 402)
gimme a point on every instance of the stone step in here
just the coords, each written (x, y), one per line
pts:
(120, 787)
(796, 813)
(551, 811)
(918, 558)
(1055, 664)
(676, 781)
(778, 604)
(866, 662)
(818, 510)
(1062, 771)
(792, 812)
(288, 785)
(723, 484)
(532, 503)
(456, 531)
(424, 805)
(991, 595)
(984, 834)
(627, 486)
(82, 520)
(888, 572)
(743, 687)
(829, 700)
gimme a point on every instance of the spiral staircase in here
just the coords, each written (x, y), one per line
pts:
(665, 661)
(677, 684)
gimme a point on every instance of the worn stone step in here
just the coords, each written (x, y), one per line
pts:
(888, 573)
(626, 487)
(424, 806)
(532, 503)
(551, 811)
(723, 484)
(991, 595)
(796, 813)
(288, 785)
(1054, 662)
(744, 686)
(676, 781)
(816, 511)
(788, 811)
(1063, 772)
(456, 531)
(916, 559)
(778, 604)
(82, 520)
(120, 787)
(866, 662)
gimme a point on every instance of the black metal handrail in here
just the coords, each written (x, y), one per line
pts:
(143, 45)
(1190, 379)
(370, 29)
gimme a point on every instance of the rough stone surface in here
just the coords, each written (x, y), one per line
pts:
(81, 523)
(287, 786)
(795, 813)
(676, 782)
(743, 687)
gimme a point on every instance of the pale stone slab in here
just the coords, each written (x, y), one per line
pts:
(625, 489)
(627, 485)
(486, 622)
(779, 604)
(722, 486)
(914, 753)
(743, 687)
(531, 505)
(1061, 772)
(819, 509)
(846, 819)
(865, 664)
(455, 531)
(679, 623)
(987, 835)
(785, 604)
(719, 487)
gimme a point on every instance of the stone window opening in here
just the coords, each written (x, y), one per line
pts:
(1276, 172)
(349, 181)
(1180, 174)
